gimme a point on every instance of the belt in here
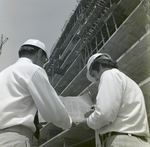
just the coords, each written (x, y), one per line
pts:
(104, 136)
(20, 129)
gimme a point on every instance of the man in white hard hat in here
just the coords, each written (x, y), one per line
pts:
(120, 115)
(25, 88)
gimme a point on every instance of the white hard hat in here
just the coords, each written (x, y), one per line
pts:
(91, 61)
(36, 43)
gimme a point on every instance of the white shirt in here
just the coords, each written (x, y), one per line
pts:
(120, 106)
(24, 88)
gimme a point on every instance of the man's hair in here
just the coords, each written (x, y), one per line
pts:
(29, 50)
(103, 63)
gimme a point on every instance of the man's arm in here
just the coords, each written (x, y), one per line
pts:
(108, 101)
(47, 100)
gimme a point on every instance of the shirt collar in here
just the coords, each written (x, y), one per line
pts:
(24, 59)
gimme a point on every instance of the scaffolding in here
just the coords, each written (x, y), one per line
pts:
(91, 25)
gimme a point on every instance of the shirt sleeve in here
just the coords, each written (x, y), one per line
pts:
(108, 101)
(47, 100)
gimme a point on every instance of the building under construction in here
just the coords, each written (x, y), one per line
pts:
(120, 28)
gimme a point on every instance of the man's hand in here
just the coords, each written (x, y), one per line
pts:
(92, 109)
(87, 114)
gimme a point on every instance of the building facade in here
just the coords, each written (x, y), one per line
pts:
(120, 28)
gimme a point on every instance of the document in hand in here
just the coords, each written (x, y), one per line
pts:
(77, 106)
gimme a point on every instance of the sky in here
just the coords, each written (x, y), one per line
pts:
(21, 20)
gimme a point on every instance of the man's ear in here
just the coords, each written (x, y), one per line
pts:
(39, 52)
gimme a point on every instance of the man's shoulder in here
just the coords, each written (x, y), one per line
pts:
(112, 71)
(27, 68)
(34, 68)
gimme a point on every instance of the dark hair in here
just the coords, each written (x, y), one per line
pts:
(103, 63)
(29, 50)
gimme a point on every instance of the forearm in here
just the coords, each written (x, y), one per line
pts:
(47, 101)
